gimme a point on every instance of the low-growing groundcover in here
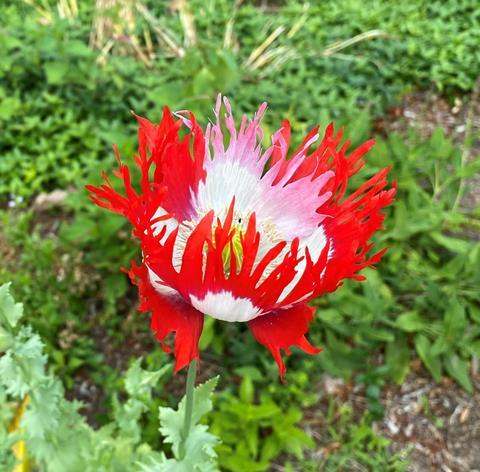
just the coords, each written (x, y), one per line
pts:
(308, 61)
(61, 108)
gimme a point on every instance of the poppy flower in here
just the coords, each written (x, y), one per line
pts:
(241, 233)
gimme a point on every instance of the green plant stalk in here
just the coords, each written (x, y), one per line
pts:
(189, 394)
(466, 147)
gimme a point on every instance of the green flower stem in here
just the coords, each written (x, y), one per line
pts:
(189, 394)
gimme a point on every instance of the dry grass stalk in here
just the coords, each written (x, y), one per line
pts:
(114, 27)
(187, 20)
(165, 37)
(340, 45)
(66, 9)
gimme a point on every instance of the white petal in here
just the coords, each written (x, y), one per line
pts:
(159, 285)
(226, 307)
(227, 179)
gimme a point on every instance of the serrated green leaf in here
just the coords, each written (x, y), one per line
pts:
(152, 463)
(6, 339)
(7, 459)
(199, 446)
(10, 312)
(23, 365)
(42, 415)
(139, 382)
(127, 416)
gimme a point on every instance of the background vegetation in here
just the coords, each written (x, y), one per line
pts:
(69, 75)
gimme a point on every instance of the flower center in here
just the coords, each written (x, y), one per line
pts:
(234, 248)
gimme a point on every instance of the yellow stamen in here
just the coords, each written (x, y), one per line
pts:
(235, 247)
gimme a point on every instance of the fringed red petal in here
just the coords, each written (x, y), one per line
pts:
(283, 329)
(170, 314)
(350, 222)
(169, 173)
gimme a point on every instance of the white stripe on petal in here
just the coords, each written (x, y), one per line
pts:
(170, 223)
(315, 244)
(226, 307)
(159, 285)
(185, 229)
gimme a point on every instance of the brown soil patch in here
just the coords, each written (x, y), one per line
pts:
(439, 423)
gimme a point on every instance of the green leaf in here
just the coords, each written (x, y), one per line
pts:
(8, 107)
(455, 245)
(203, 82)
(259, 412)
(225, 71)
(453, 330)
(7, 440)
(115, 287)
(42, 417)
(270, 449)
(55, 72)
(6, 340)
(10, 312)
(23, 364)
(78, 48)
(381, 335)
(432, 363)
(251, 437)
(398, 359)
(127, 417)
(458, 369)
(199, 446)
(246, 390)
(139, 382)
(410, 322)
(249, 371)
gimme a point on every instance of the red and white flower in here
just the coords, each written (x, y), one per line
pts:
(240, 233)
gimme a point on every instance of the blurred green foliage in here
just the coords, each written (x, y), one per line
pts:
(68, 110)
(63, 104)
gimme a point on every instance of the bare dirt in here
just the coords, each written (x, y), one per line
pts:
(434, 427)
(439, 424)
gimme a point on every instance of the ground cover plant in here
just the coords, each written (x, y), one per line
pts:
(69, 75)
